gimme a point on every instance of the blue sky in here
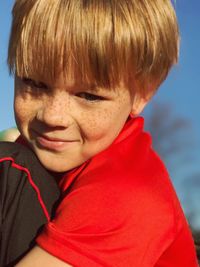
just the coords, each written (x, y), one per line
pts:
(181, 90)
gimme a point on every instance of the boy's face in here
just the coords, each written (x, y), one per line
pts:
(67, 123)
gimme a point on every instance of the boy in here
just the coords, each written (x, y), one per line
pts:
(84, 70)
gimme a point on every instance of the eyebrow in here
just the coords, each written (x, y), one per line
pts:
(90, 87)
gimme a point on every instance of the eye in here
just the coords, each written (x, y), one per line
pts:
(90, 97)
(32, 83)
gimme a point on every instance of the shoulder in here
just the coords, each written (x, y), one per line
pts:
(122, 198)
(117, 187)
(16, 152)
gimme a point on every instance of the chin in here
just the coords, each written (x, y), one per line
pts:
(56, 162)
(55, 165)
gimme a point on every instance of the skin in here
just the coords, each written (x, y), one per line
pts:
(66, 123)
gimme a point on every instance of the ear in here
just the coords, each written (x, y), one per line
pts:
(139, 104)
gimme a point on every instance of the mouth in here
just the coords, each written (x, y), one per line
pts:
(53, 143)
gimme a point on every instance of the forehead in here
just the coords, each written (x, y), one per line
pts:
(76, 84)
(73, 87)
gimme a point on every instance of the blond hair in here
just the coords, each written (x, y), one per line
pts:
(103, 42)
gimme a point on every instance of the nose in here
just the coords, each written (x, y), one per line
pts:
(55, 111)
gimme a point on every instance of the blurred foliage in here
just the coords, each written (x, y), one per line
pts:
(9, 135)
(196, 236)
(173, 139)
(170, 134)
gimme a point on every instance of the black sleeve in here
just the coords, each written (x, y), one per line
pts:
(28, 196)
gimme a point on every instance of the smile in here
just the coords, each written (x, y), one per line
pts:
(53, 143)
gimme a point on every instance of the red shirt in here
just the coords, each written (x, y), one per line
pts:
(120, 209)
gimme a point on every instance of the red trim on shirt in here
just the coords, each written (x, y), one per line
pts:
(34, 186)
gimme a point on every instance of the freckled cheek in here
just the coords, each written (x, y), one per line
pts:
(97, 126)
(24, 111)
(17, 109)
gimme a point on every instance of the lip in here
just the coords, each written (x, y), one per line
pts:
(52, 143)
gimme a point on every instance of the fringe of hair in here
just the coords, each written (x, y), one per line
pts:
(100, 42)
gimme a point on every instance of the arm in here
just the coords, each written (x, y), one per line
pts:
(27, 197)
(38, 257)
